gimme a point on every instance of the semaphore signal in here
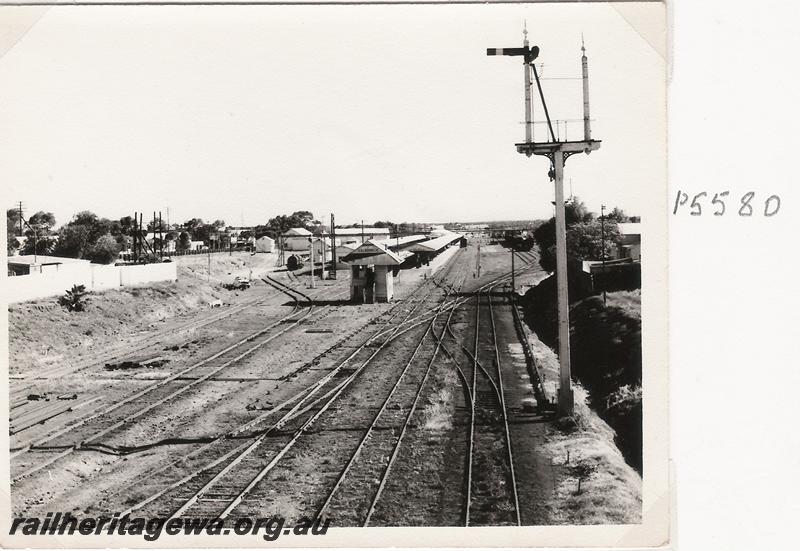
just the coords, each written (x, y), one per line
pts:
(557, 152)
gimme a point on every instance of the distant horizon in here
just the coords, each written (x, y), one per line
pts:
(326, 222)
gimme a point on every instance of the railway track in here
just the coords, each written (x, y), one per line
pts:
(356, 492)
(233, 468)
(356, 495)
(220, 486)
(84, 431)
(115, 352)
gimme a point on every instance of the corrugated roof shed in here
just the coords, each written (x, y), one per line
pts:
(401, 241)
(357, 231)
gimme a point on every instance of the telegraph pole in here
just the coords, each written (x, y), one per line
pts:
(557, 152)
(323, 275)
(513, 284)
(479, 258)
(333, 248)
(311, 239)
(603, 248)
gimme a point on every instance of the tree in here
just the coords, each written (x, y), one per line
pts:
(39, 233)
(282, 223)
(79, 235)
(582, 244)
(73, 241)
(618, 215)
(12, 243)
(126, 225)
(585, 240)
(105, 250)
(157, 225)
(192, 226)
(184, 241)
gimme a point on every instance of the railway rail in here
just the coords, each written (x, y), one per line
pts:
(355, 494)
(83, 433)
(115, 352)
(219, 487)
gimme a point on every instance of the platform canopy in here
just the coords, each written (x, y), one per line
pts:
(374, 253)
(401, 241)
(436, 244)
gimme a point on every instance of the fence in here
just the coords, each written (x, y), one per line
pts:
(95, 277)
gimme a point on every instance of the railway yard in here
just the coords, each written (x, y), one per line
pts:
(294, 402)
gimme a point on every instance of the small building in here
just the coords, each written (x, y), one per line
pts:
(197, 246)
(296, 239)
(265, 244)
(371, 280)
(27, 264)
(631, 244)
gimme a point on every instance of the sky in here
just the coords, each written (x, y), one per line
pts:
(370, 112)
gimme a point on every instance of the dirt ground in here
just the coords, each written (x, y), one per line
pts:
(43, 335)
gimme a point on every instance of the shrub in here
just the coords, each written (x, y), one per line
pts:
(74, 299)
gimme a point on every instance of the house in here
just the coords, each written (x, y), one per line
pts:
(265, 244)
(43, 264)
(631, 244)
(296, 239)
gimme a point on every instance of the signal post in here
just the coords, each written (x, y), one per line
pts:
(557, 152)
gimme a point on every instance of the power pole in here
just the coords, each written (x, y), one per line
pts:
(20, 218)
(333, 248)
(311, 240)
(479, 259)
(603, 248)
(324, 255)
(557, 152)
(513, 281)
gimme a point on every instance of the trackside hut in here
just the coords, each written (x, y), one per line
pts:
(265, 244)
(371, 278)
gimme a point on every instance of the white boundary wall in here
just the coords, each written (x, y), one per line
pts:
(96, 277)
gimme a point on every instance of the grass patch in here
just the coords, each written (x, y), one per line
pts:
(594, 484)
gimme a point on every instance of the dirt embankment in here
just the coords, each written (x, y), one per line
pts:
(606, 352)
(44, 335)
